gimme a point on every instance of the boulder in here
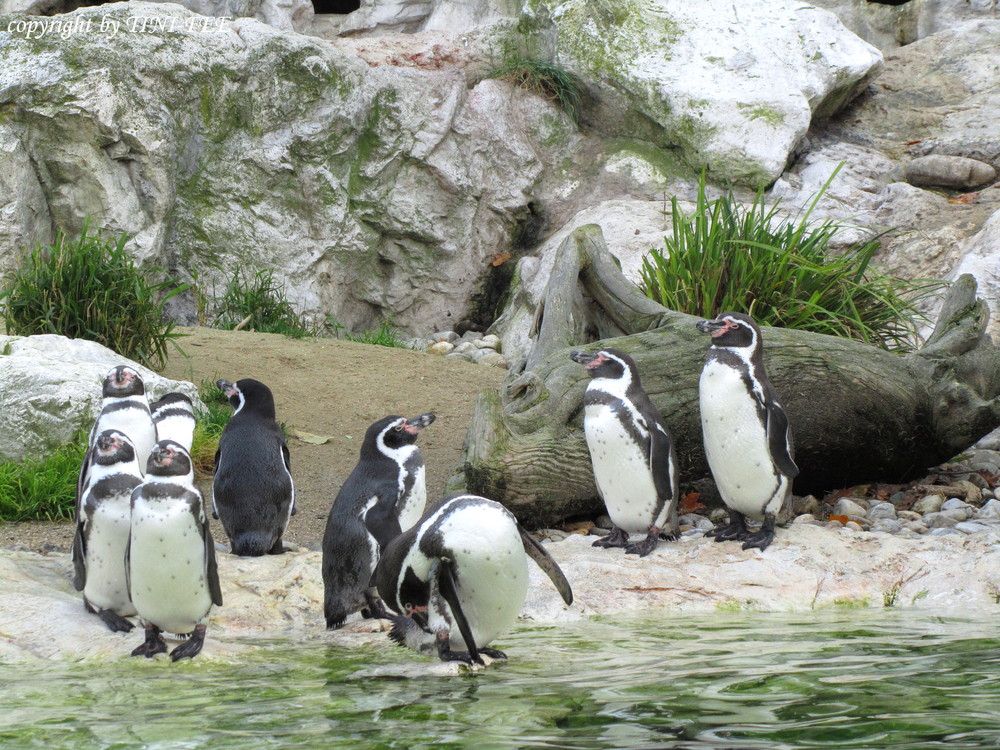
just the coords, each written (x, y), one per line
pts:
(50, 388)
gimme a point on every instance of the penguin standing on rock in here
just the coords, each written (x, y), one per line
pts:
(102, 530)
(384, 494)
(173, 416)
(635, 466)
(173, 578)
(252, 492)
(748, 441)
(458, 579)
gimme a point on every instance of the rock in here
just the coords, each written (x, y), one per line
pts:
(449, 336)
(441, 347)
(881, 511)
(980, 259)
(850, 506)
(973, 493)
(957, 172)
(917, 527)
(50, 388)
(991, 509)
(806, 505)
(853, 526)
(908, 515)
(888, 525)
(929, 504)
(733, 85)
(944, 531)
(804, 518)
(465, 347)
(970, 527)
(939, 520)
(489, 341)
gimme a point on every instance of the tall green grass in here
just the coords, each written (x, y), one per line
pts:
(726, 256)
(546, 79)
(208, 428)
(259, 299)
(42, 488)
(89, 287)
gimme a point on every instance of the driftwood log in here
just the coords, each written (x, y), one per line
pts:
(858, 413)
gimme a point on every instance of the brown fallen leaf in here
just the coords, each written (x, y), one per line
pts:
(966, 198)
(308, 437)
(499, 259)
(689, 503)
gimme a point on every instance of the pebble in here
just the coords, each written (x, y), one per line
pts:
(888, 525)
(990, 510)
(939, 520)
(447, 336)
(472, 346)
(929, 504)
(853, 526)
(908, 515)
(804, 518)
(971, 527)
(880, 511)
(806, 505)
(441, 347)
(850, 506)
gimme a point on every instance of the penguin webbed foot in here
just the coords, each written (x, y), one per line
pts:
(617, 538)
(115, 622)
(191, 647)
(446, 654)
(736, 529)
(644, 547)
(493, 653)
(761, 539)
(153, 645)
(278, 548)
(376, 609)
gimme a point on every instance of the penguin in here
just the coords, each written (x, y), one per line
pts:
(384, 494)
(173, 417)
(458, 579)
(124, 407)
(252, 493)
(173, 578)
(635, 465)
(102, 530)
(748, 441)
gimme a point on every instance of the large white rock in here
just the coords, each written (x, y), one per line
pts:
(281, 596)
(50, 388)
(733, 84)
(982, 260)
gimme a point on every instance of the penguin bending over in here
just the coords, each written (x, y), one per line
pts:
(748, 441)
(635, 466)
(252, 493)
(103, 521)
(458, 579)
(173, 416)
(384, 494)
(173, 578)
(124, 407)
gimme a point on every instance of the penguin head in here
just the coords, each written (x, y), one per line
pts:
(732, 330)
(393, 432)
(112, 447)
(250, 395)
(122, 381)
(606, 363)
(169, 459)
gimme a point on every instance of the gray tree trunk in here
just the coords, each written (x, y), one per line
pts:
(858, 413)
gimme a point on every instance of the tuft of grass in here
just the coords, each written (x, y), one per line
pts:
(729, 257)
(89, 287)
(208, 428)
(387, 334)
(259, 299)
(42, 489)
(546, 79)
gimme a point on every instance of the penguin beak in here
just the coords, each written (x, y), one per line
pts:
(715, 327)
(107, 444)
(587, 360)
(226, 387)
(416, 424)
(123, 376)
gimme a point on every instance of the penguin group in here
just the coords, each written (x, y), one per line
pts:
(451, 577)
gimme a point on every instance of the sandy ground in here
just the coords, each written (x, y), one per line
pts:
(324, 387)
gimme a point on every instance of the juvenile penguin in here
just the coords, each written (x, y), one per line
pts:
(103, 521)
(173, 416)
(173, 579)
(458, 579)
(253, 493)
(635, 466)
(748, 441)
(124, 407)
(384, 494)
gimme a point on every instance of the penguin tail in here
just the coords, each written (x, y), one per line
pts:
(252, 544)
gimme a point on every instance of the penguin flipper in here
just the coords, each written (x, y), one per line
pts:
(779, 440)
(79, 558)
(81, 479)
(287, 458)
(662, 467)
(446, 584)
(211, 567)
(537, 552)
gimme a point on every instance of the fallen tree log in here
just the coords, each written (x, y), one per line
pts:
(858, 413)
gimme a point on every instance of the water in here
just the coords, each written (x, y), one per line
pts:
(834, 679)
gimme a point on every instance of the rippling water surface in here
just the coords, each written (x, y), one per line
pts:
(838, 679)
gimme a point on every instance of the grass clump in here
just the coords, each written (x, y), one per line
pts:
(208, 428)
(256, 301)
(729, 257)
(546, 79)
(89, 287)
(42, 489)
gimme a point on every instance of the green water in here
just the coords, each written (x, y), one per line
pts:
(836, 679)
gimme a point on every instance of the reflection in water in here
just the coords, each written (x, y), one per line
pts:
(845, 679)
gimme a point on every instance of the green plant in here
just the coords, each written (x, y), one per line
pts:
(730, 257)
(208, 428)
(387, 334)
(256, 300)
(547, 79)
(89, 287)
(42, 489)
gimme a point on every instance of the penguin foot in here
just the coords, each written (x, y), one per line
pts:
(644, 547)
(493, 653)
(191, 647)
(617, 538)
(115, 622)
(375, 610)
(153, 645)
(446, 654)
(760, 539)
(729, 532)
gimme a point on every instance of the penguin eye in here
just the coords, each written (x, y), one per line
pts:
(399, 427)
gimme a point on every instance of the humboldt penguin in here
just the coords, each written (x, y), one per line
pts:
(635, 466)
(103, 521)
(458, 579)
(173, 416)
(748, 441)
(384, 494)
(253, 494)
(173, 578)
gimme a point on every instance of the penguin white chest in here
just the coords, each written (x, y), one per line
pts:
(107, 539)
(621, 469)
(413, 490)
(168, 569)
(736, 443)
